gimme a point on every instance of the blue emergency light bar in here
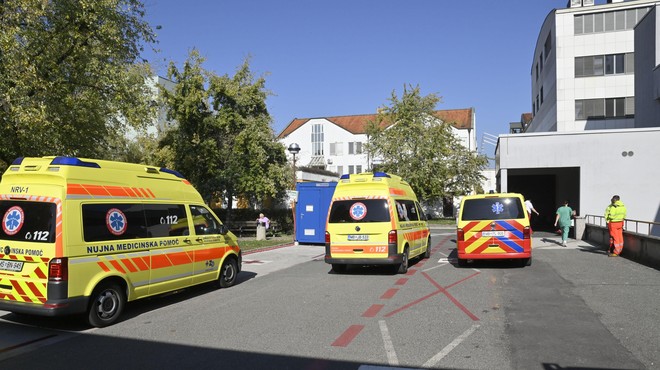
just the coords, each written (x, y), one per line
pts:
(173, 172)
(72, 161)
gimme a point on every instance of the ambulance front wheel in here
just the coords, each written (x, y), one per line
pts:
(228, 273)
(108, 301)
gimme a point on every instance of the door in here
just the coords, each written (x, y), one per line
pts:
(312, 211)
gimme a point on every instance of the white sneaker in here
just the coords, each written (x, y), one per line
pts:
(563, 244)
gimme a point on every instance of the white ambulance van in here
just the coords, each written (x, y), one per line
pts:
(86, 236)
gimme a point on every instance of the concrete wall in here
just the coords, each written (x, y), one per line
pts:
(604, 170)
(640, 248)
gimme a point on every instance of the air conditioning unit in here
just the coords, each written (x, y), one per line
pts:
(329, 160)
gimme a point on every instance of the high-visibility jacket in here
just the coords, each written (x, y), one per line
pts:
(615, 212)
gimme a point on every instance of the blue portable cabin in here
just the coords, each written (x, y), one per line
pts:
(312, 210)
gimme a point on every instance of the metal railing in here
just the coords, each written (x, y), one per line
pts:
(648, 228)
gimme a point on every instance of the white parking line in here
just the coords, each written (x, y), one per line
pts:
(392, 360)
(445, 351)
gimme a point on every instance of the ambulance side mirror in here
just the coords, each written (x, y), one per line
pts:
(223, 230)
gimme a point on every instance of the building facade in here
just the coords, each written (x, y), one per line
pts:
(337, 143)
(595, 111)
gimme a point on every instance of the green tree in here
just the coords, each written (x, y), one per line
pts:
(69, 81)
(415, 144)
(224, 142)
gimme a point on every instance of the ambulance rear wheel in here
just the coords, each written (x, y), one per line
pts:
(228, 273)
(427, 254)
(403, 267)
(461, 262)
(107, 304)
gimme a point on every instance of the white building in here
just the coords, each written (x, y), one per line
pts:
(595, 127)
(337, 143)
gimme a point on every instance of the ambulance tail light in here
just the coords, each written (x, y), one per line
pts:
(58, 269)
(327, 244)
(527, 232)
(392, 237)
(460, 235)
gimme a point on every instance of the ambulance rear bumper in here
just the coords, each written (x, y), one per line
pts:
(391, 260)
(50, 308)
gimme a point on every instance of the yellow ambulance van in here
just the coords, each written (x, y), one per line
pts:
(375, 219)
(493, 226)
(86, 236)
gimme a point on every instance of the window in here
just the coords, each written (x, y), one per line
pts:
(541, 62)
(165, 220)
(355, 147)
(492, 208)
(351, 169)
(317, 139)
(548, 45)
(598, 22)
(537, 71)
(541, 94)
(599, 65)
(332, 149)
(629, 63)
(28, 221)
(609, 21)
(377, 210)
(113, 221)
(358, 168)
(406, 210)
(340, 170)
(204, 221)
(604, 108)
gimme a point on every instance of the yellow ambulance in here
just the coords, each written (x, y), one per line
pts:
(493, 226)
(86, 236)
(375, 219)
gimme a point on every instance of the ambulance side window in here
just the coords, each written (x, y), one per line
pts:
(166, 220)
(204, 221)
(407, 210)
(420, 211)
(112, 221)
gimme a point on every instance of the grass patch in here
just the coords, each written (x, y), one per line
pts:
(443, 221)
(251, 243)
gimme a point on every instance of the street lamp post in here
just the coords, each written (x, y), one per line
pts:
(294, 149)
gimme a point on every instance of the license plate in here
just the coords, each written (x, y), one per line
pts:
(15, 266)
(358, 237)
(493, 233)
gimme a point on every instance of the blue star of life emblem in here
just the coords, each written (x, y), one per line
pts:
(497, 208)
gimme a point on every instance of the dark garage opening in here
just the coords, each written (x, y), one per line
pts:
(547, 188)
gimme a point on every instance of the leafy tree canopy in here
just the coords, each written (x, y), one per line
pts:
(410, 141)
(69, 84)
(224, 142)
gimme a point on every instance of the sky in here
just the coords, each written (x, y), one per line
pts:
(346, 57)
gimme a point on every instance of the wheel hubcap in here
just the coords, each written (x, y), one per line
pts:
(107, 304)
